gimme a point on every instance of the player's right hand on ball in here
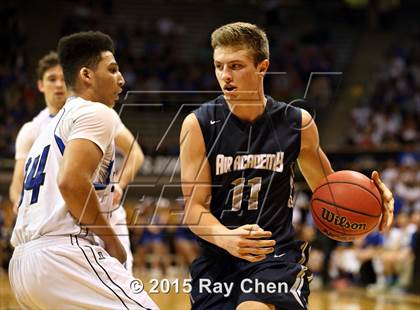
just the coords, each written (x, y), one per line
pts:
(249, 242)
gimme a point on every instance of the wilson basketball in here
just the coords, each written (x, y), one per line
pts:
(346, 205)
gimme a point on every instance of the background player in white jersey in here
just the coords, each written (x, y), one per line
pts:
(133, 160)
(51, 84)
(61, 213)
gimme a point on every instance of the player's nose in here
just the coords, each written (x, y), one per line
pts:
(226, 74)
(60, 83)
(120, 80)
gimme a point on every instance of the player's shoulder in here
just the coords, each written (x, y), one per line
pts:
(190, 122)
(116, 117)
(41, 116)
(90, 105)
(285, 111)
(24, 140)
(89, 120)
(84, 114)
(196, 121)
(119, 125)
(27, 128)
(210, 106)
(210, 110)
(26, 135)
(306, 116)
(115, 114)
(280, 106)
(79, 106)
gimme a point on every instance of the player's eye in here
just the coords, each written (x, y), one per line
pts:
(236, 66)
(113, 69)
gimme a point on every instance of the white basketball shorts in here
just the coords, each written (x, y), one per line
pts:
(71, 273)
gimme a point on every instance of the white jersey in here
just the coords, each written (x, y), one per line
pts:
(80, 275)
(32, 129)
(42, 210)
(29, 132)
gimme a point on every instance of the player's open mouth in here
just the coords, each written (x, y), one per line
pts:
(229, 88)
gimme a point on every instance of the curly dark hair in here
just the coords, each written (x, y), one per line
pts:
(82, 49)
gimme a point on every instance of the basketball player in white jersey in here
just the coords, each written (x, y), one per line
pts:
(56, 262)
(51, 84)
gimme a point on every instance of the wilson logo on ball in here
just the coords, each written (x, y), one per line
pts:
(341, 220)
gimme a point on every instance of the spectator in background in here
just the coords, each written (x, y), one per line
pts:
(395, 102)
(152, 239)
(396, 256)
(186, 245)
(367, 254)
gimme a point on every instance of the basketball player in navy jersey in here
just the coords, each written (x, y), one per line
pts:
(238, 154)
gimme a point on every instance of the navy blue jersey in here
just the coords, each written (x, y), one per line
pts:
(252, 166)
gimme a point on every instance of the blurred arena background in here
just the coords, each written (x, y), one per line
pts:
(355, 62)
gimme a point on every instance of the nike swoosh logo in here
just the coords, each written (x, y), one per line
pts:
(281, 255)
(214, 122)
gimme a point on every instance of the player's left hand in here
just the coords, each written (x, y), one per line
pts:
(114, 248)
(387, 203)
(118, 192)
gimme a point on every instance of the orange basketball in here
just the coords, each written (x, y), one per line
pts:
(346, 205)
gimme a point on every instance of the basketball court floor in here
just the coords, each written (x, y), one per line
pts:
(346, 299)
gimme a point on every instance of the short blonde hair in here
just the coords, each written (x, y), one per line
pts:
(242, 34)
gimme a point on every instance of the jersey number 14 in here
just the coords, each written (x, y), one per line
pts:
(35, 174)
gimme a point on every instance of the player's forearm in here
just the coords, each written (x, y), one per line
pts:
(205, 225)
(83, 204)
(15, 188)
(133, 161)
(14, 192)
(314, 166)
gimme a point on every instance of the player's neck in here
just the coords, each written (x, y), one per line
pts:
(52, 110)
(85, 94)
(249, 111)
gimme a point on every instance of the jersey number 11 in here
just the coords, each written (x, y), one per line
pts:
(238, 192)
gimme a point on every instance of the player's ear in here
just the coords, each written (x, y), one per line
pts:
(263, 66)
(85, 75)
(40, 85)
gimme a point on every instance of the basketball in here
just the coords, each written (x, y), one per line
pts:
(346, 205)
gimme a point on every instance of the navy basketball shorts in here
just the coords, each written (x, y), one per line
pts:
(224, 282)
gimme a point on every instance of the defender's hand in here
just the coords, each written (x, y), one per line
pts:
(244, 242)
(387, 203)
